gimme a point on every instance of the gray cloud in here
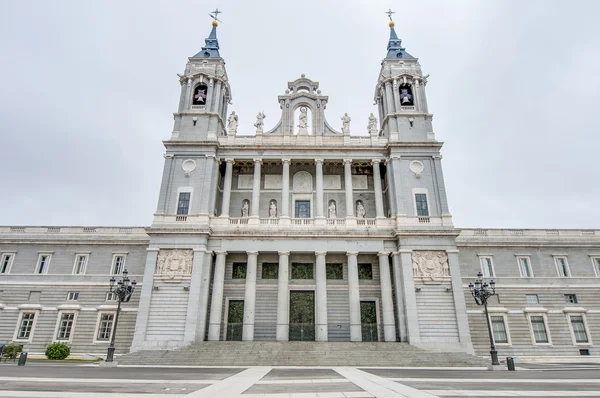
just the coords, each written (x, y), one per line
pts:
(88, 90)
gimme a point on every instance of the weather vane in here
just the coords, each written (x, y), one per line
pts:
(389, 14)
(214, 15)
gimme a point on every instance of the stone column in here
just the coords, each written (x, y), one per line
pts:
(387, 302)
(400, 310)
(319, 199)
(417, 97)
(396, 94)
(378, 190)
(256, 189)
(185, 105)
(398, 187)
(195, 304)
(423, 96)
(391, 195)
(348, 186)
(354, 297)
(209, 94)
(217, 103)
(204, 289)
(139, 336)
(321, 298)
(439, 177)
(227, 188)
(250, 297)
(410, 298)
(285, 189)
(391, 108)
(216, 304)
(283, 298)
(460, 306)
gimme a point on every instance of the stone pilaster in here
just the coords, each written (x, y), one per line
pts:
(354, 297)
(348, 186)
(387, 303)
(227, 188)
(321, 298)
(195, 306)
(216, 306)
(410, 298)
(250, 297)
(319, 199)
(141, 325)
(378, 191)
(400, 310)
(255, 206)
(283, 298)
(285, 191)
(460, 306)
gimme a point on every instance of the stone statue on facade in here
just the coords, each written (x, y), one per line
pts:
(245, 207)
(303, 121)
(346, 123)
(372, 125)
(259, 121)
(332, 211)
(273, 209)
(430, 264)
(360, 210)
(232, 123)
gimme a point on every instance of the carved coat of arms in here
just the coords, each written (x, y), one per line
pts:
(174, 262)
(430, 264)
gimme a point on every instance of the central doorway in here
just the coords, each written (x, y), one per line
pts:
(302, 316)
(235, 320)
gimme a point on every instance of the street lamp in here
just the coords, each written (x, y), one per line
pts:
(123, 290)
(481, 291)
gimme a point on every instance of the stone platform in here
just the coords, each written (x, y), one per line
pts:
(229, 353)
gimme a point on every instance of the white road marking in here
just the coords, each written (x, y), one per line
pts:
(508, 381)
(379, 386)
(513, 393)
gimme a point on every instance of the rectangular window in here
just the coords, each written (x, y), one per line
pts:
(105, 327)
(302, 271)
(72, 296)
(571, 298)
(239, 271)
(596, 262)
(111, 297)
(532, 299)
(80, 264)
(7, 259)
(118, 264)
(43, 263)
(65, 326)
(579, 331)
(539, 329)
(487, 267)
(334, 271)
(26, 326)
(525, 267)
(562, 267)
(499, 329)
(421, 202)
(183, 204)
(270, 270)
(365, 271)
(302, 209)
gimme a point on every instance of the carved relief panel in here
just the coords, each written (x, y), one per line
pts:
(174, 264)
(430, 266)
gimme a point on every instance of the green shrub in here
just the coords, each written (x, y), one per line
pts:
(11, 351)
(57, 351)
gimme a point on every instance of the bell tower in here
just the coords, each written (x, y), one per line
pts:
(400, 95)
(205, 94)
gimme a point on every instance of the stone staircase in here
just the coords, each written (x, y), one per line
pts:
(230, 353)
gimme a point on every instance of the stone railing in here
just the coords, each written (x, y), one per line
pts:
(366, 221)
(336, 221)
(302, 221)
(539, 233)
(72, 230)
(269, 221)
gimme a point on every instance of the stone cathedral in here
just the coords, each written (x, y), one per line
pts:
(303, 231)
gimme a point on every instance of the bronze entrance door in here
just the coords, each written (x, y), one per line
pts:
(368, 321)
(302, 316)
(235, 320)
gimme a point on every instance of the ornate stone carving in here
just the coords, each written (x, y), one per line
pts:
(346, 123)
(232, 123)
(259, 122)
(430, 264)
(174, 262)
(372, 125)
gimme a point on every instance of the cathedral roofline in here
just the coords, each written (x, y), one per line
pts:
(394, 47)
(211, 46)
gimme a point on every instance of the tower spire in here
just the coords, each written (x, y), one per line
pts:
(394, 47)
(211, 46)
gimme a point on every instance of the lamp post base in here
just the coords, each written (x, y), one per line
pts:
(110, 353)
(493, 353)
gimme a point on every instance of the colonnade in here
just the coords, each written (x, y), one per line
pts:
(285, 189)
(283, 297)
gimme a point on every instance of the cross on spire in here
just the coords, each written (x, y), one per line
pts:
(214, 15)
(389, 14)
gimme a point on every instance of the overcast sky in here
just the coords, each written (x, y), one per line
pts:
(87, 92)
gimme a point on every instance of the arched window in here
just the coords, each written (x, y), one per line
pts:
(406, 95)
(199, 94)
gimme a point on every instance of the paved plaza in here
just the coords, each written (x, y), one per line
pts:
(91, 381)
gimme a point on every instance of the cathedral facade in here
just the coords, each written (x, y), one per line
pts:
(302, 232)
